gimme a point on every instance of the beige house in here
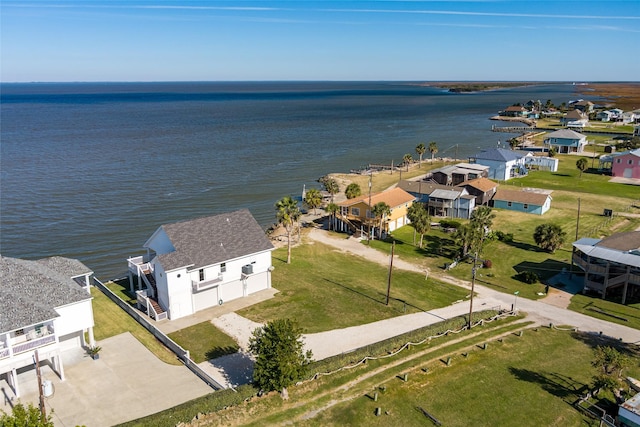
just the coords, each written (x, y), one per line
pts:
(356, 214)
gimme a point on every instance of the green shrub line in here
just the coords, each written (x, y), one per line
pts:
(394, 345)
(185, 412)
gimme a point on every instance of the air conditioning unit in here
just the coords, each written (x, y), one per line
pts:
(247, 269)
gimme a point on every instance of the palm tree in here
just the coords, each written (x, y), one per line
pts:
(287, 214)
(422, 224)
(433, 149)
(313, 199)
(407, 159)
(332, 209)
(420, 150)
(513, 143)
(481, 220)
(331, 185)
(581, 164)
(465, 235)
(379, 211)
(352, 191)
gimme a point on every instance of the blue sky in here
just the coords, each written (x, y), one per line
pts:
(155, 40)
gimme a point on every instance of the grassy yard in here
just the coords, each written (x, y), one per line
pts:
(204, 342)
(531, 380)
(323, 289)
(628, 315)
(111, 320)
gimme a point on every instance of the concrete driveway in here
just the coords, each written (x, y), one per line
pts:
(126, 383)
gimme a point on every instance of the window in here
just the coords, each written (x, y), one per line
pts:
(526, 206)
(19, 332)
(630, 161)
(201, 274)
(223, 267)
(509, 204)
(618, 160)
(355, 211)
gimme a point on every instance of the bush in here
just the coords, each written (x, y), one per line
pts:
(527, 276)
(503, 237)
(487, 263)
(449, 223)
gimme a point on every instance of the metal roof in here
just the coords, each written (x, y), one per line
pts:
(589, 247)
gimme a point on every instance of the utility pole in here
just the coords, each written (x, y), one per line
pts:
(370, 209)
(473, 284)
(393, 246)
(43, 409)
(573, 248)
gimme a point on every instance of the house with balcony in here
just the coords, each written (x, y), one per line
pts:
(503, 164)
(356, 215)
(482, 189)
(460, 172)
(46, 308)
(196, 264)
(611, 265)
(575, 119)
(565, 141)
(454, 202)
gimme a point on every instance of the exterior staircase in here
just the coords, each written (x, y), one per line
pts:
(153, 301)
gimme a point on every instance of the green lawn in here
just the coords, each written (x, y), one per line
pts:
(628, 315)
(204, 342)
(111, 320)
(531, 380)
(323, 289)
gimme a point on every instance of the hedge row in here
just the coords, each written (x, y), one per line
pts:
(186, 411)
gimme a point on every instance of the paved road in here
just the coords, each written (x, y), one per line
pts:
(539, 311)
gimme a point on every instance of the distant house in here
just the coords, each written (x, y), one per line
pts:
(451, 203)
(421, 189)
(584, 106)
(522, 201)
(616, 113)
(610, 264)
(46, 307)
(503, 164)
(482, 189)
(566, 141)
(455, 174)
(575, 118)
(628, 117)
(514, 111)
(356, 214)
(604, 116)
(626, 164)
(200, 263)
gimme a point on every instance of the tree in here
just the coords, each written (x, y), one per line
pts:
(352, 191)
(407, 159)
(433, 149)
(582, 164)
(610, 363)
(553, 151)
(465, 236)
(379, 211)
(287, 214)
(420, 220)
(23, 416)
(332, 209)
(313, 199)
(280, 356)
(331, 185)
(513, 143)
(420, 150)
(482, 220)
(549, 236)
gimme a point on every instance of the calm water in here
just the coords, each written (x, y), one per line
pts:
(91, 170)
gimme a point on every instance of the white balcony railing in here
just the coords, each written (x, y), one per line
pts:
(206, 284)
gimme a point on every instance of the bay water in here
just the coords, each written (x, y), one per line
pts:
(90, 170)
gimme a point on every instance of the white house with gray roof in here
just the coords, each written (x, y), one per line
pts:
(566, 141)
(46, 307)
(196, 264)
(503, 164)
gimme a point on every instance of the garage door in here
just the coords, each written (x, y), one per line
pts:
(230, 291)
(256, 283)
(205, 299)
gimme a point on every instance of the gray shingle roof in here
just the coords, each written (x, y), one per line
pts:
(213, 240)
(68, 267)
(499, 154)
(565, 134)
(30, 291)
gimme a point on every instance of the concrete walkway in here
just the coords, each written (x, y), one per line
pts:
(126, 383)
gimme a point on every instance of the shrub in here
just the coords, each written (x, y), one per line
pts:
(503, 237)
(527, 276)
(487, 263)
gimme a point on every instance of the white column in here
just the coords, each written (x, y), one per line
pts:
(92, 340)
(13, 376)
(130, 282)
(59, 366)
